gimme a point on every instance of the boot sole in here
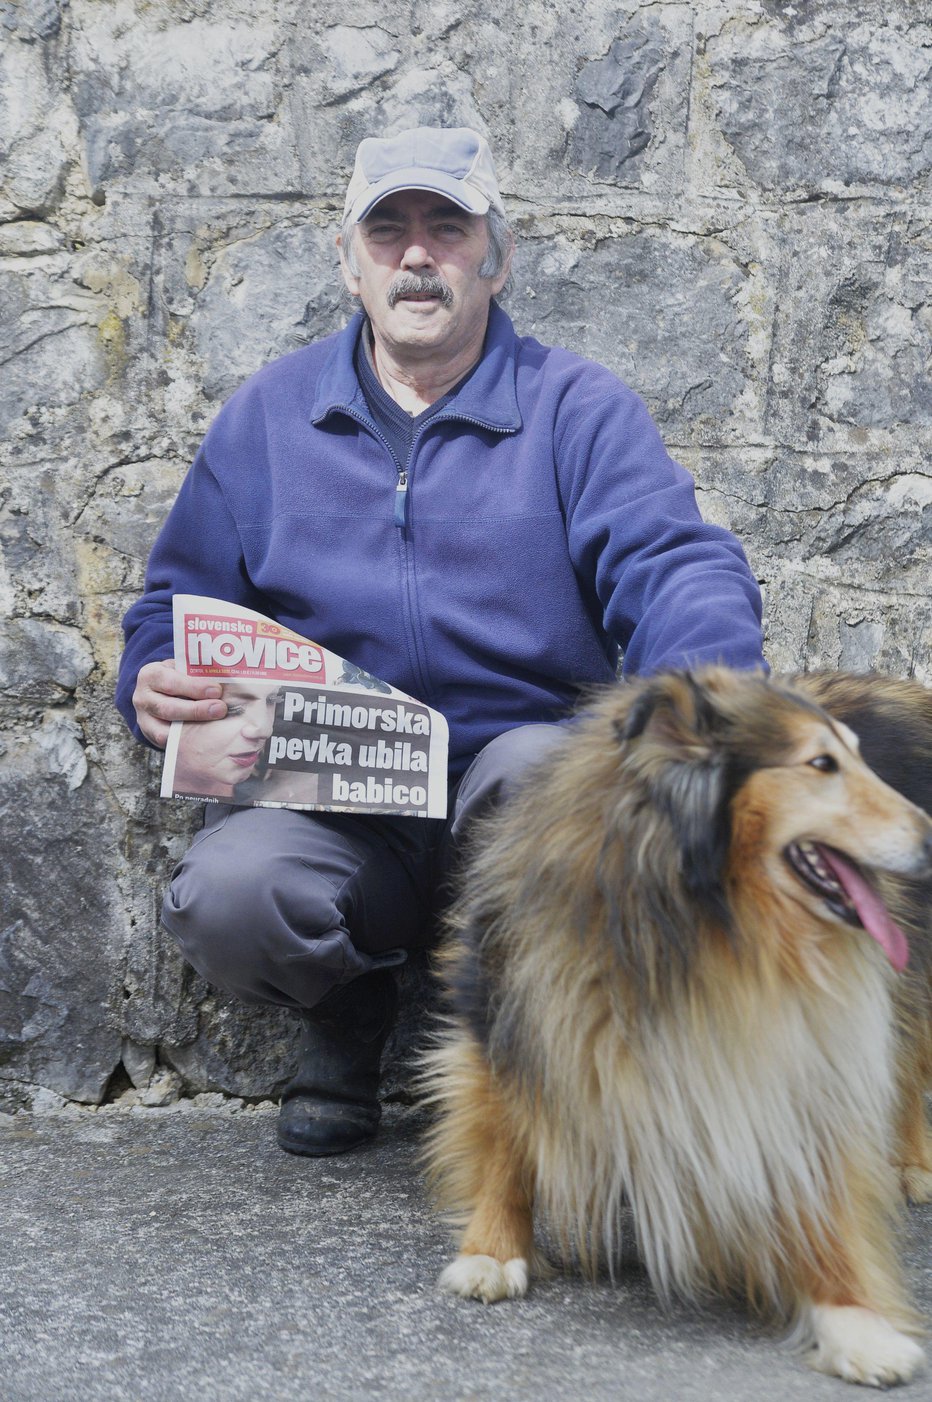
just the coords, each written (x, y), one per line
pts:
(320, 1151)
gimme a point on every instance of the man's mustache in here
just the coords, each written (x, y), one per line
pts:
(410, 284)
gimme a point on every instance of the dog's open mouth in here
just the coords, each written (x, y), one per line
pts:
(848, 895)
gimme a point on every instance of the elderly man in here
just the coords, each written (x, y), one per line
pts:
(479, 519)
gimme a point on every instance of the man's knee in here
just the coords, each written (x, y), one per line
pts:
(242, 913)
(279, 906)
(498, 769)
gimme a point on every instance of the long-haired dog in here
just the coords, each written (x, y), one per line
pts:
(670, 975)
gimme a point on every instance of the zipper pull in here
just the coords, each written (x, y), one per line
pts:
(401, 498)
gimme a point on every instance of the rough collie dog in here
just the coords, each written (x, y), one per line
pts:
(671, 979)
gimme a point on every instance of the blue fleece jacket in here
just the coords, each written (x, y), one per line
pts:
(543, 526)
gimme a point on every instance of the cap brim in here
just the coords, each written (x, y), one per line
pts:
(417, 178)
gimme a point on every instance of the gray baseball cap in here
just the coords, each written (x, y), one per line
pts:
(451, 161)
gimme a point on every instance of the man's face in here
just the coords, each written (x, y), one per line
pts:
(216, 755)
(419, 257)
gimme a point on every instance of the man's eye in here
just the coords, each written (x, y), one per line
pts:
(235, 710)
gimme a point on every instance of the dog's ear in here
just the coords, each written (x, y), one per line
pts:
(695, 795)
(674, 706)
(633, 723)
(689, 775)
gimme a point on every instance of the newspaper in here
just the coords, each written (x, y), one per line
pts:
(304, 728)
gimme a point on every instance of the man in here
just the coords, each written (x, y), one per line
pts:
(476, 518)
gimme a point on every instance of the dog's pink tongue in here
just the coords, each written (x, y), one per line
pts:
(871, 910)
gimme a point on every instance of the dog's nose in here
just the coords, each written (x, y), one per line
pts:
(924, 865)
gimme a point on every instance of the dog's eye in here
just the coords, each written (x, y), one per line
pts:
(827, 763)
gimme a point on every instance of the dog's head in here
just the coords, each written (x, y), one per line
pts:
(767, 802)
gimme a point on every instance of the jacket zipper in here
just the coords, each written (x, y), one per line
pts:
(401, 488)
(401, 498)
(400, 517)
(400, 512)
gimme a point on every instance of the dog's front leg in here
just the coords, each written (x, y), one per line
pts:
(914, 1141)
(497, 1253)
(859, 1345)
(855, 1302)
(914, 1074)
(497, 1248)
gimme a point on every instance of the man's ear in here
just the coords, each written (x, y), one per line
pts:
(352, 282)
(499, 282)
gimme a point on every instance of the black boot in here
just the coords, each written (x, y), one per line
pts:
(332, 1104)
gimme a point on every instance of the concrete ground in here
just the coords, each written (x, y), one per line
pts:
(162, 1255)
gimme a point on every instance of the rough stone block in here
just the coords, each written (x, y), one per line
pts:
(36, 120)
(813, 623)
(123, 511)
(50, 336)
(826, 96)
(178, 97)
(61, 937)
(631, 104)
(851, 338)
(820, 512)
(258, 297)
(41, 661)
(671, 312)
(858, 632)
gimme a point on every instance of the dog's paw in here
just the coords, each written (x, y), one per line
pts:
(861, 1347)
(917, 1182)
(483, 1278)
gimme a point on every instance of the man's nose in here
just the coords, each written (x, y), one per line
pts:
(416, 255)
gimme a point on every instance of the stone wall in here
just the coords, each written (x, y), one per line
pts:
(727, 203)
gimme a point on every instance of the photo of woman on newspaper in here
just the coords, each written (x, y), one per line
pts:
(216, 756)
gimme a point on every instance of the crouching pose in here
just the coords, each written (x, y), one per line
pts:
(481, 521)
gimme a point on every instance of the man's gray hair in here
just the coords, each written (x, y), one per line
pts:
(501, 242)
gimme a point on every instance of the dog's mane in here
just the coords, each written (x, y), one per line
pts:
(636, 850)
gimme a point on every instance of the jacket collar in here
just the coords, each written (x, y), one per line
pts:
(488, 397)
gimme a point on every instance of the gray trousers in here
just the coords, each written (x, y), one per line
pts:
(280, 906)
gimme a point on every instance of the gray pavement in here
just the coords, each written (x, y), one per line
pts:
(161, 1255)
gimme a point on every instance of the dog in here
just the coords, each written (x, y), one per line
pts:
(671, 981)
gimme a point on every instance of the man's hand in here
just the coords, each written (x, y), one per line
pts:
(163, 695)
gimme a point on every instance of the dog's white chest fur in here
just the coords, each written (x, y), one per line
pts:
(725, 1124)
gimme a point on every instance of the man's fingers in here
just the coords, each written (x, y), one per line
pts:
(153, 730)
(169, 708)
(163, 678)
(164, 695)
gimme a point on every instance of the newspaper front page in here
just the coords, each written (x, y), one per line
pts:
(304, 728)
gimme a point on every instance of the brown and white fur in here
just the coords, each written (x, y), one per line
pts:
(662, 997)
(893, 722)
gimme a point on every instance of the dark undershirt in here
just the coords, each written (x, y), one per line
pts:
(396, 424)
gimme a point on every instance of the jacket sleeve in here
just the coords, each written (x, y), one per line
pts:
(198, 551)
(674, 590)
